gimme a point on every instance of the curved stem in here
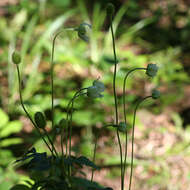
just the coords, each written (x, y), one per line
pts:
(62, 130)
(115, 99)
(52, 78)
(70, 127)
(28, 115)
(133, 129)
(125, 119)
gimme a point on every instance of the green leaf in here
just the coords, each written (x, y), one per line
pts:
(11, 127)
(20, 187)
(8, 142)
(3, 118)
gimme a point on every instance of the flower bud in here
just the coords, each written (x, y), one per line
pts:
(151, 70)
(110, 9)
(82, 31)
(40, 120)
(156, 94)
(99, 85)
(122, 127)
(93, 92)
(16, 57)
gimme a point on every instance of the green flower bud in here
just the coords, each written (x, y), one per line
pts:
(151, 70)
(156, 94)
(122, 127)
(110, 9)
(16, 57)
(99, 85)
(82, 31)
(40, 120)
(93, 92)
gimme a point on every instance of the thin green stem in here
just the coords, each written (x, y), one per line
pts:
(70, 122)
(53, 147)
(125, 119)
(133, 129)
(115, 99)
(52, 72)
(95, 147)
(94, 157)
(52, 77)
(67, 118)
(28, 115)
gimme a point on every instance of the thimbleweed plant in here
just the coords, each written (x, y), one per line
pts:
(59, 170)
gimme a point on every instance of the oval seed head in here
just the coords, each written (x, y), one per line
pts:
(122, 127)
(156, 94)
(110, 9)
(151, 70)
(16, 57)
(40, 120)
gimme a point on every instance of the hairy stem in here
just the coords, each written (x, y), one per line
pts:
(133, 130)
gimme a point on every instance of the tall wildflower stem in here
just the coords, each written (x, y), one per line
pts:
(132, 145)
(67, 120)
(125, 119)
(28, 115)
(115, 99)
(52, 77)
(95, 147)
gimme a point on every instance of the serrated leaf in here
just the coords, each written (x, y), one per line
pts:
(3, 118)
(11, 127)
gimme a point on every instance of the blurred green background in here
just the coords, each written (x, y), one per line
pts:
(146, 31)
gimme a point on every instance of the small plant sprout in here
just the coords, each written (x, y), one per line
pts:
(59, 169)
